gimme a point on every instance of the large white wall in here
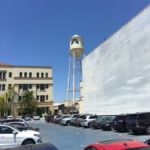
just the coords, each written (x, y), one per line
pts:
(116, 75)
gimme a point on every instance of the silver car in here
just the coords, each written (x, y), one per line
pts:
(87, 120)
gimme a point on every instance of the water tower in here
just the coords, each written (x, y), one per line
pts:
(75, 68)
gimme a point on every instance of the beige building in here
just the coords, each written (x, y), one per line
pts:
(33, 78)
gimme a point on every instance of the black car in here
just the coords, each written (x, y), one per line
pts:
(97, 124)
(138, 123)
(49, 118)
(107, 123)
(119, 123)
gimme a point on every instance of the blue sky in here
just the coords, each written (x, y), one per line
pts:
(37, 32)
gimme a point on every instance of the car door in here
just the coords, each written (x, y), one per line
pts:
(6, 136)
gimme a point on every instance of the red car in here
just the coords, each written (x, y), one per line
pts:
(118, 145)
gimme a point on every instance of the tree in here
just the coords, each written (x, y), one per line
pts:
(28, 105)
(1, 105)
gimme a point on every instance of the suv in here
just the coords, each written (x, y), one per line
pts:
(119, 123)
(87, 120)
(138, 123)
(67, 120)
(12, 137)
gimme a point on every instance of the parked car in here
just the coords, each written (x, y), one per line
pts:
(42, 146)
(10, 120)
(107, 123)
(10, 117)
(21, 126)
(77, 120)
(67, 120)
(19, 117)
(119, 123)
(49, 118)
(58, 120)
(55, 118)
(27, 118)
(23, 123)
(87, 120)
(36, 117)
(138, 123)
(12, 137)
(73, 121)
(96, 124)
(118, 145)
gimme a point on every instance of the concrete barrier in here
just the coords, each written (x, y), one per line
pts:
(44, 146)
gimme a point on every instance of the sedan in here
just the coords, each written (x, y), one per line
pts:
(22, 127)
(13, 137)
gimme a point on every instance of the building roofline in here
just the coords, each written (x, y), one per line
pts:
(44, 67)
(4, 65)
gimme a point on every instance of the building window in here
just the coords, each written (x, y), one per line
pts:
(37, 86)
(42, 87)
(20, 86)
(30, 86)
(46, 97)
(10, 74)
(30, 75)
(20, 74)
(46, 75)
(37, 97)
(25, 75)
(25, 87)
(46, 86)
(42, 98)
(9, 86)
(37, 75)
(2, 75)
(42, 75)
(3, 87)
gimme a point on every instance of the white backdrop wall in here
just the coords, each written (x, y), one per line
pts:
(116, 75)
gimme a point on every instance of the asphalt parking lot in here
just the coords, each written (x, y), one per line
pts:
(75, 138)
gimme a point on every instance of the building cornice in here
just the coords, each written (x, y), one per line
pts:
(33, 78)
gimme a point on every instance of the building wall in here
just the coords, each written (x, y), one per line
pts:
(15, 80)
(116, 75)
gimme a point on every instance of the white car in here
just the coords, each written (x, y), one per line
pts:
(12, 137)
(10, 117)
(36, 117)
(19, 117)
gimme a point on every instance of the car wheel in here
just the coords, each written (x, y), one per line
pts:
(68, 123)
(147, 142)
(29, 141)
(89, 125)
(148, 130)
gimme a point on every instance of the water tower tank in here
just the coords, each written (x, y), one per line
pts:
(76, 46)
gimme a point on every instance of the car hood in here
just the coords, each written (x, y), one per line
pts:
(30, 132)
(66, 119)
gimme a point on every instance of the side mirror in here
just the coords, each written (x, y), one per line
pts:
(15, 132)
